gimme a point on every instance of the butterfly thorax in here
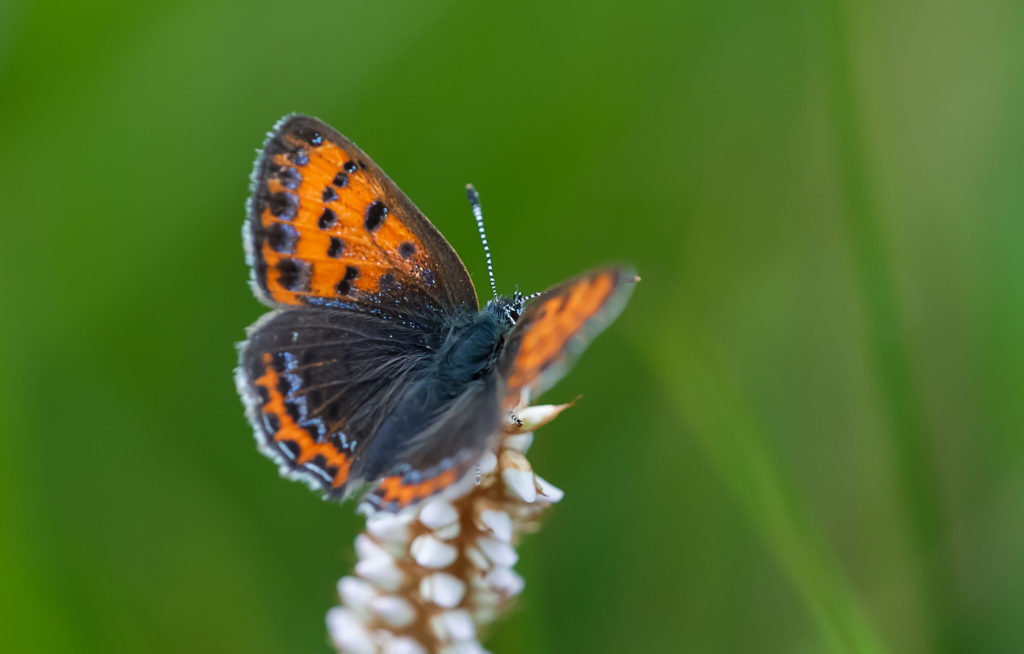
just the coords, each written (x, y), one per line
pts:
(471, 350)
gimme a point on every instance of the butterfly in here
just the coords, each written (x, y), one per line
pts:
(377, 372)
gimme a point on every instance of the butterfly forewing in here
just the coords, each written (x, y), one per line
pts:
(327, 227)
(557, 325)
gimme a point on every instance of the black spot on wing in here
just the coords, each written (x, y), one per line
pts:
(294, 275)
(292, 407)
(327, 219)
(283, 205)
(299, 156)
(288, 176)
(282, 238)
(336, 248)
(345, 285)
(283, 386)
(376, 212)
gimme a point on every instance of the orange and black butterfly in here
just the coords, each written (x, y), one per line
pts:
(377, 370)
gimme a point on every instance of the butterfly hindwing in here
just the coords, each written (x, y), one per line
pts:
(557, 325)
(318, 384)
(451, 436)
(326, 227)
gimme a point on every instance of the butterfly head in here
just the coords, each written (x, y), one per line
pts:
(508, 309)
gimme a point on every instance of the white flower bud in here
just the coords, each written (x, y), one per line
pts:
(356, 594)
(477, 558)
(501, 553)
(506, 580)
(404, 645)
(367, 548)
(387, 527)
(432, 553)
(539, 415)
(443, 590)
(348, 632)
(395, 611)
(454, 625)
(438, 513)
(519, 442)
(499, 523)
(488, 462)
(382, 572)
(547, 491)
(517, 474)
(468, 647)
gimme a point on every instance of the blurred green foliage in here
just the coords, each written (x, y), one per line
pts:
(803, 434)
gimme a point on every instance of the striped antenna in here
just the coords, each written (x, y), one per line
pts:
(474, 203)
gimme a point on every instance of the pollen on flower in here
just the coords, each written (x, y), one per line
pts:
(432, 579)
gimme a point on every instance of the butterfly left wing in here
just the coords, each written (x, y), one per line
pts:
(327, 227)
(317, 384)
(557, 325)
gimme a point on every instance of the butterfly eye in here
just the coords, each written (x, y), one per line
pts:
(514, 309)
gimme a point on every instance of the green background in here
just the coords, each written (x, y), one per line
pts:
(802, 435)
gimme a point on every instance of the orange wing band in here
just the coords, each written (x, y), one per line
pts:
(289, 430)
(392, 489)
(346, 233)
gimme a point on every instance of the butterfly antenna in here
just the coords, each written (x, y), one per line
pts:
(474, 204)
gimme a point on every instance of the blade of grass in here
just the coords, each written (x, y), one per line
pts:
(913, 452)
(709, 402)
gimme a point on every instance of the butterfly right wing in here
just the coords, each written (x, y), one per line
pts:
(548, 336)
(557, 325)
(317, 385)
